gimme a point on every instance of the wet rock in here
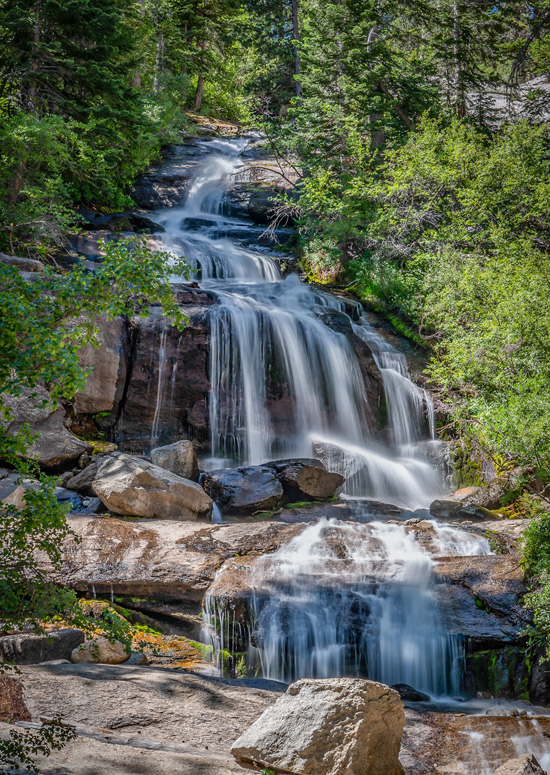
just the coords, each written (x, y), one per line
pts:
(133, 487)
(23, 264)
(453, 510)
(261, 202)
(166, 183)
(481, 599)
(305, 479)
(157, 560)
(69, 497)
(244, 490)
(179, 458)
(31, 649)
(338, 726)
(409, 694)
(108, 366)
(100, 651)
(117, 222)
(55, 446)
(524, 765)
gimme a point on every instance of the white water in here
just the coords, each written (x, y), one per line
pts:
(350, 599)
(281, 379)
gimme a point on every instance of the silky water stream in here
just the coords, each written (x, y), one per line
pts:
(353, 598)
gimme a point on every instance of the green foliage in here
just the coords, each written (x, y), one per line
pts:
(44, 324)
(535, 552)
(18, 750)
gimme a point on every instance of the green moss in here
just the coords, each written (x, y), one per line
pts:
(205, 650)
(502, 672)
(298, 504)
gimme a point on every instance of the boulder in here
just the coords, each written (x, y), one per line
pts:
(100, 651)
(82, 482)
(23, 264)
(409, 694)
(54, 446)
(179, 458)
(244, 490)
(31, 649)
(261, 202)
(524, 765)
(134, 487)
(452, 510)
(306, 479)
(337, 726)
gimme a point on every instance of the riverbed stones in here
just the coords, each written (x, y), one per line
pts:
(133, 487)
(179, 458)
(337, 726)
(524, 765)
(100, 651)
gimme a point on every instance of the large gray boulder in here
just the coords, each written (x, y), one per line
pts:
(54, 446)
(524, 765)
(306, 479)
(179, 458)
(30, 649)
(244, 490)
(134, 487)
(21, 263)
(336, 726)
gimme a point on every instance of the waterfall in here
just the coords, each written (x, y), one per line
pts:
(281, 379)
(349, 599)
(340, 598)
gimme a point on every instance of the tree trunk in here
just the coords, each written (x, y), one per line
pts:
(158, 60)
(296, 34)
(34, 54)
(200, 83)
(459, 81)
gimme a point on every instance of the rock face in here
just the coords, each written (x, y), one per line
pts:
(338, 726)
(100, 651)
(170, 561)
(524, 765)
(30, 649)
(179, 458)
(261, 488)
(108, 365)
(55, 446)
(133, 487)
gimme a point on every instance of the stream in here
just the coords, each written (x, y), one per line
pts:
(359, 597)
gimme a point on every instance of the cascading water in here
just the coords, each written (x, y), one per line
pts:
(350, 599)
(268, 341)
(341, 598)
